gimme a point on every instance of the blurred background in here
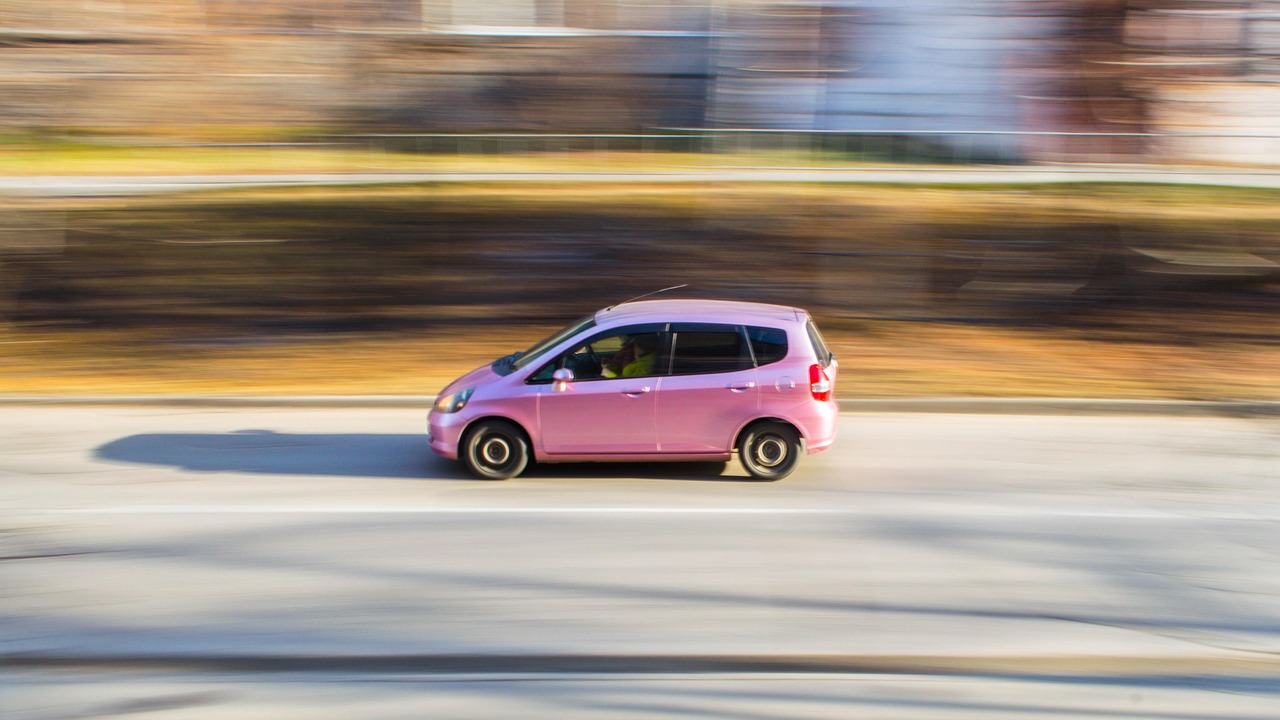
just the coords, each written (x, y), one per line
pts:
(422, 185)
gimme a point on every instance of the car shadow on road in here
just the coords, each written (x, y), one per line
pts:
(353, 455)
(273, 453)
(657, 470)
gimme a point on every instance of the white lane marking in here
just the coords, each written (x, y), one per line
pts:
(429, 510)
(956, 512)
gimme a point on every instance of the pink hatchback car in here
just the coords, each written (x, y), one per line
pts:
(649, 380)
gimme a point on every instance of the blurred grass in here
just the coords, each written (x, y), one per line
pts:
(170, 294)
(877, 359)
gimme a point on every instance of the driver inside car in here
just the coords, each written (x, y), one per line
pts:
(635, 359)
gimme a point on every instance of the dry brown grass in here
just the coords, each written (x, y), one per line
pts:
(876, 360)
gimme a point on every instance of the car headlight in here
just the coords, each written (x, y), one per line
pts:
(453, 402)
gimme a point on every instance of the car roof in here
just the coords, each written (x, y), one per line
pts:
(677, 310)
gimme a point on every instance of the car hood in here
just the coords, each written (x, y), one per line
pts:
(480, 376)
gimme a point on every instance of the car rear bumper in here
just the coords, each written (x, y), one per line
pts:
(819, 426)
(817, 447)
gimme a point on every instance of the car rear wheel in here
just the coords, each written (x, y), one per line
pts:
(769, 450)
(495, 450)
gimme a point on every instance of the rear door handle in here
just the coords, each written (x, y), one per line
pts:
(636, 392)
(742, 387)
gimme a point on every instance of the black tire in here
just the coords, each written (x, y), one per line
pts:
(769, 450)
(495, 450)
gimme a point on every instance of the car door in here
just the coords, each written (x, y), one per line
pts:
(710, 389)
(609, 408)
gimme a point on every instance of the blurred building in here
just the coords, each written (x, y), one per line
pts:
(1175, 80)
(1208, 68)
(870, 65)
(1099, 77)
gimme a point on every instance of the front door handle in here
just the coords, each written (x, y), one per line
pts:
(636, 392)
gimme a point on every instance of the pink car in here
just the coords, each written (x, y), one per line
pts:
(649, 380)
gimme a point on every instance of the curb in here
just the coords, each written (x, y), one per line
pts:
(1066, 406)
(960, 406)
(224, 401)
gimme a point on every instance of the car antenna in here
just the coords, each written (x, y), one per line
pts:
(648, 294)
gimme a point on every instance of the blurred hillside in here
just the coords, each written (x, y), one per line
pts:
(1082, 290)
(324, 260)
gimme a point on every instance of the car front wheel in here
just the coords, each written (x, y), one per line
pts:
(495, 450)
(769, 450)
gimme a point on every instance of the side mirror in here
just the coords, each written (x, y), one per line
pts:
(561, 378)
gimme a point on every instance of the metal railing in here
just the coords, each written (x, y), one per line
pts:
(850, 148)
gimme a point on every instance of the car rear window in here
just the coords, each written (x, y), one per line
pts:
(824, 355)
(768, 344)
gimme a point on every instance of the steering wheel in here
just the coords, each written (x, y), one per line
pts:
(584, 363)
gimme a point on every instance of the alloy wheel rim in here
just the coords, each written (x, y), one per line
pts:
(770, 451)
(495, 451)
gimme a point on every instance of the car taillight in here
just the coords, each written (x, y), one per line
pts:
(819, 383)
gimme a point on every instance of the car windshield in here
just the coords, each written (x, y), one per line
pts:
(523, 359)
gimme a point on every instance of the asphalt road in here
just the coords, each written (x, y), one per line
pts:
(318, 562)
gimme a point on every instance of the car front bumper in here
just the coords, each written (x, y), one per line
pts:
(443, 433)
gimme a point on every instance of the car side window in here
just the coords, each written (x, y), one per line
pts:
(620, 353)
(706, 348)
(768, 344)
